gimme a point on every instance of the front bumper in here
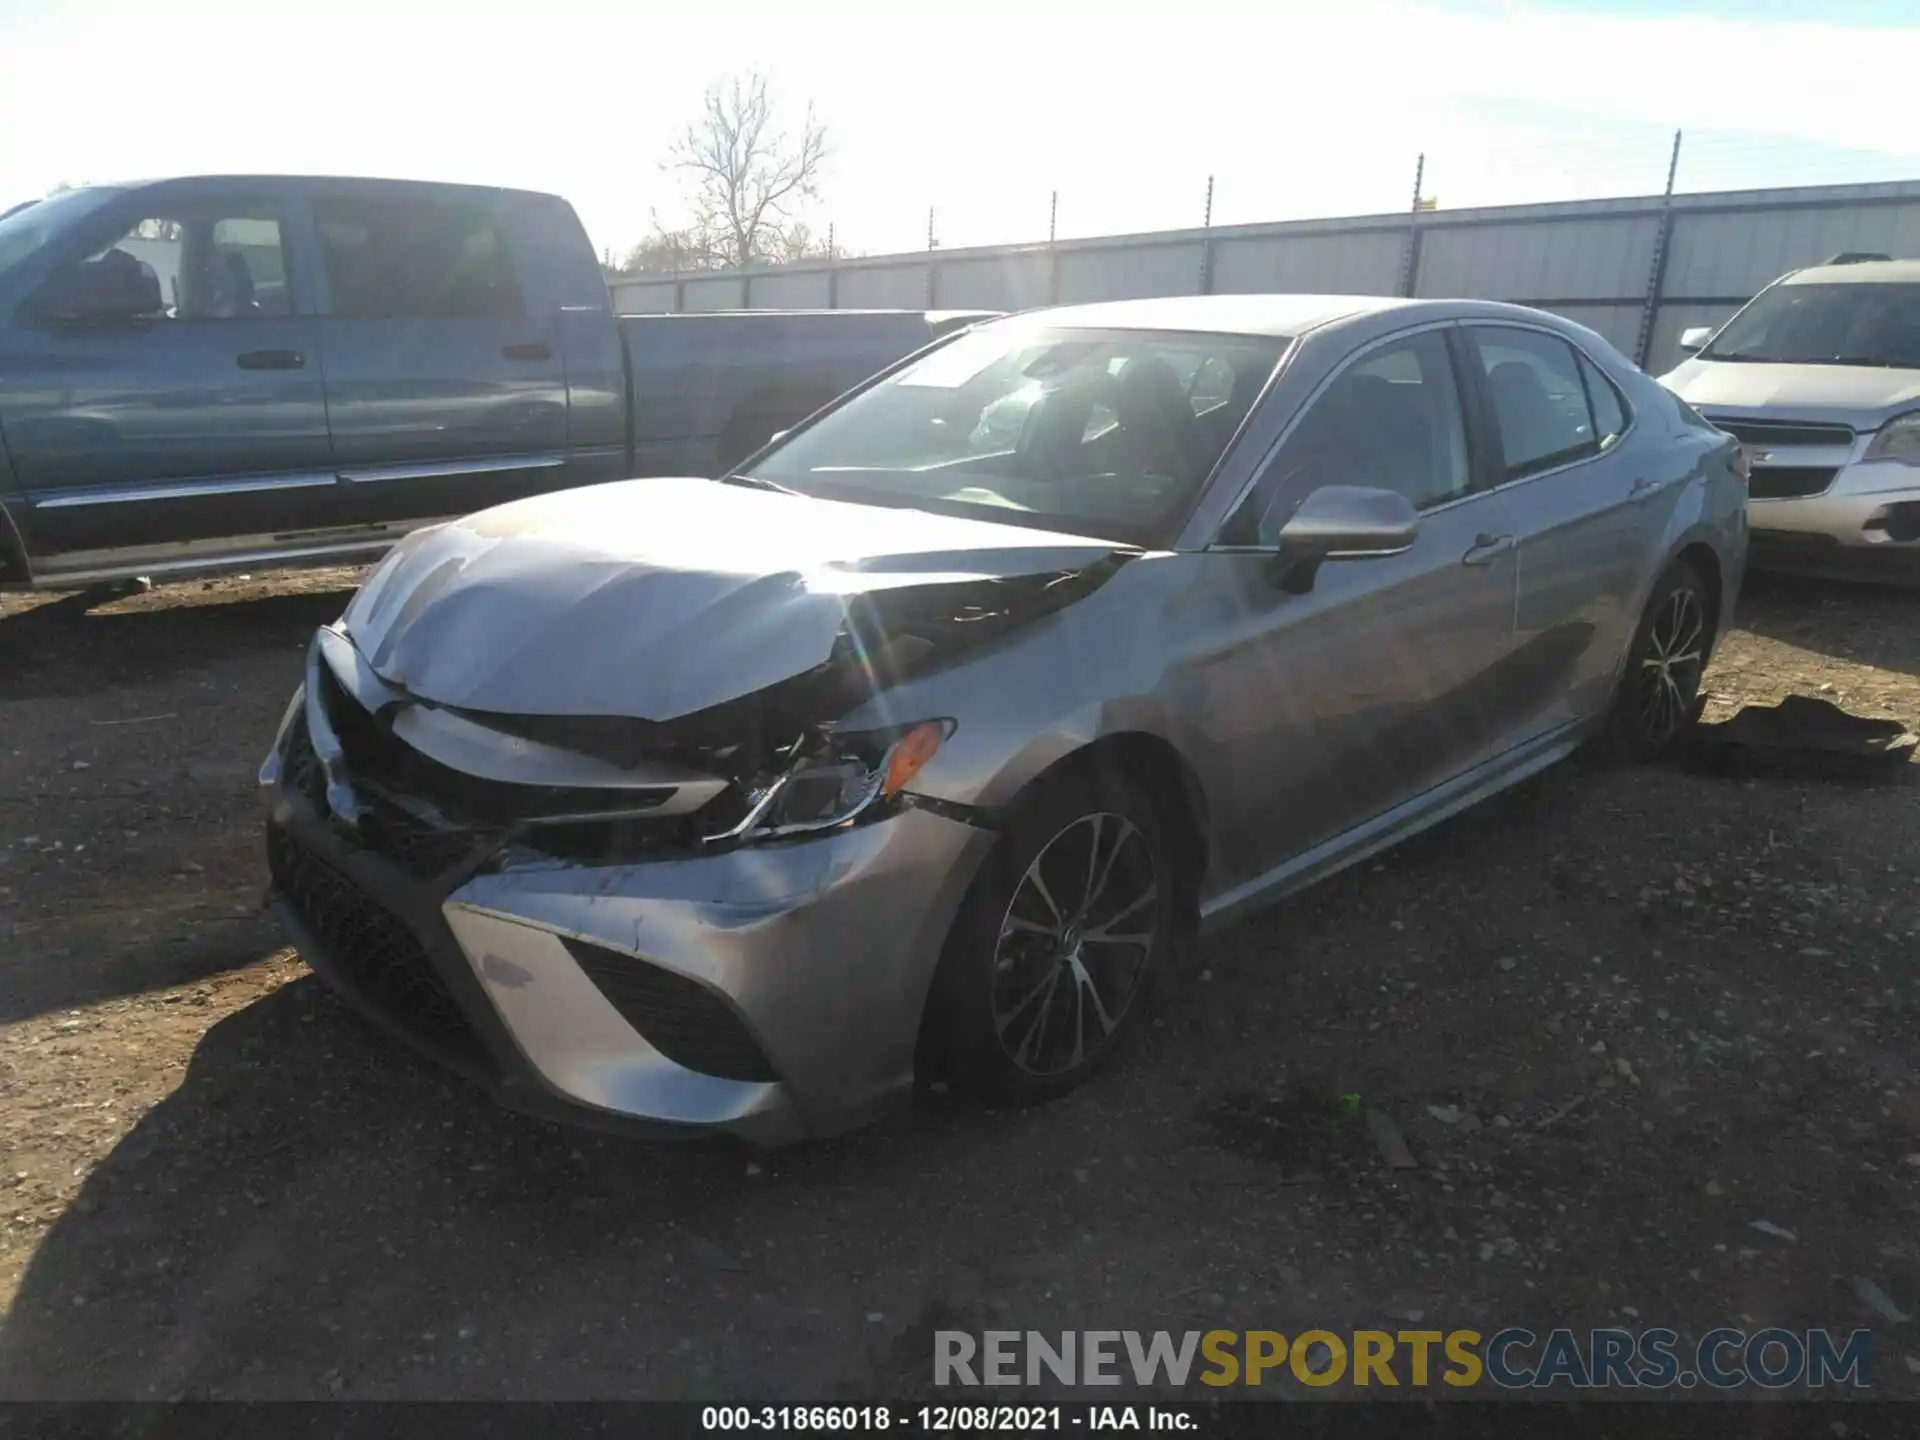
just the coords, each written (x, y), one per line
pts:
(813, 956)
(1873, 507)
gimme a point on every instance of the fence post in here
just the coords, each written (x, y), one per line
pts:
(1206, 243)
(1410, 259)
(933, 285)
(1053, 251)
(833, 272)
(1657, 272)
(746, 289)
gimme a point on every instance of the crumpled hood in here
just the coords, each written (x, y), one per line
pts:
(658, 598)
(1862, 395)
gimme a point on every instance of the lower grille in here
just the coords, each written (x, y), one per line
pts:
(384, 958)
(1789, 482)
(681, 1018)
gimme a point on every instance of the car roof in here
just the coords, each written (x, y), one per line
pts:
(1281, 315)
(1862, 272)
(371, 181)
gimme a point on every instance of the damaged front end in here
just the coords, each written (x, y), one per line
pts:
(444, 791)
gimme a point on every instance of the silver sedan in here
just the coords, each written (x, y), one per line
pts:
(911, 748)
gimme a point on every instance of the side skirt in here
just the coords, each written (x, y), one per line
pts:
(1391, 827)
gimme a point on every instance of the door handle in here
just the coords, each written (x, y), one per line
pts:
(1643, 489)
(271, 360)
(1486, 549)
(532, 350)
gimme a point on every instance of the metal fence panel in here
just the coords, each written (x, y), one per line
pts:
(792, 290)
(1017, 281)
(642, 297)
(1364, 262)
(883, 287)
(1129, 272)
(714, 292)
(1597, 258)
(1741, 252)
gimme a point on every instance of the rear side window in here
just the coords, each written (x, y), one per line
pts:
(1539, 400)
(1609, 410)
(392, 257)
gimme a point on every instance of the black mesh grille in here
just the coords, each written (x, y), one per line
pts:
(1789, 482)
(1782, 432)
(302, 766)
(423, 849)
(384, 958)
(681, 1018)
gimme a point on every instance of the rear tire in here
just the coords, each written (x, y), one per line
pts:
(1659, 693)
(1042, 976)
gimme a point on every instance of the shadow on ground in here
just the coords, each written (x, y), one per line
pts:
(1869, 624)
(63, 647)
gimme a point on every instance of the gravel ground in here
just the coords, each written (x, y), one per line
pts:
(1620, 1017)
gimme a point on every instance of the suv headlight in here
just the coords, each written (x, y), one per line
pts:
(1899, 439)
(838, 780)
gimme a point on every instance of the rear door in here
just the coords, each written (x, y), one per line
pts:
(1590, 497)
(446, 391)
(201, 419)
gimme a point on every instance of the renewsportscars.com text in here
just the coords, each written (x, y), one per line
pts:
(1513, 1358)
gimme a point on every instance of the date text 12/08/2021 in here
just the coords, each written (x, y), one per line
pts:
(941, 1419)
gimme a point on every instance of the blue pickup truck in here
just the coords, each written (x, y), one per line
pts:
(211, 373)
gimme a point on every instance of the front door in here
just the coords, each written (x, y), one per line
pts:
(202, 417)
(446, 390)
(1323, 710)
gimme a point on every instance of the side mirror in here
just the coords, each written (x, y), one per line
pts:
(114, 287)
(1337, 522)
(1694, 340)
(777, 436)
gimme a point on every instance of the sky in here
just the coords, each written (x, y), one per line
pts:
(977, 110)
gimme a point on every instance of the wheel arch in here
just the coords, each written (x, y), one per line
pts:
(1175, 788)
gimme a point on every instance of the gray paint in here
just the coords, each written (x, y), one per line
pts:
(1318, 727)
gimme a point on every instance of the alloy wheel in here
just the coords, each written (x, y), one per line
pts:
(1671, 666)
(1074, 944)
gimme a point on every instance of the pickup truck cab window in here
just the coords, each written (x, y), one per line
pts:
(214, 261)
(430, 258)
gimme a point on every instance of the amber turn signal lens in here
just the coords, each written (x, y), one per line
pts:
(910, 755)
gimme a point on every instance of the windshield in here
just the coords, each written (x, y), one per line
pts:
(29, 227)
(1827, 324)
(1102, 433)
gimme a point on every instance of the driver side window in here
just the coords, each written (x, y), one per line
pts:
(1391, 420)
(211, 261)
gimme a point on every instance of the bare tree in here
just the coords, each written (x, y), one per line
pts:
(749, 172)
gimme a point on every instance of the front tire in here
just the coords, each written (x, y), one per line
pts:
(1659, 693)
(1041, 978)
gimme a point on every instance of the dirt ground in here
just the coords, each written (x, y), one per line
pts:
(1651, 1009)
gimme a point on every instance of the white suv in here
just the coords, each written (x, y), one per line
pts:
(1819, 377)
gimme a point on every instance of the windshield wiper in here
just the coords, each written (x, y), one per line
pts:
(755, 482)
(1878, 362)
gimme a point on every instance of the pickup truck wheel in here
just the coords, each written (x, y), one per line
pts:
(1041, 977)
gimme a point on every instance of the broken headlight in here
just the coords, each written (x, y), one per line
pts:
(838, 779)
